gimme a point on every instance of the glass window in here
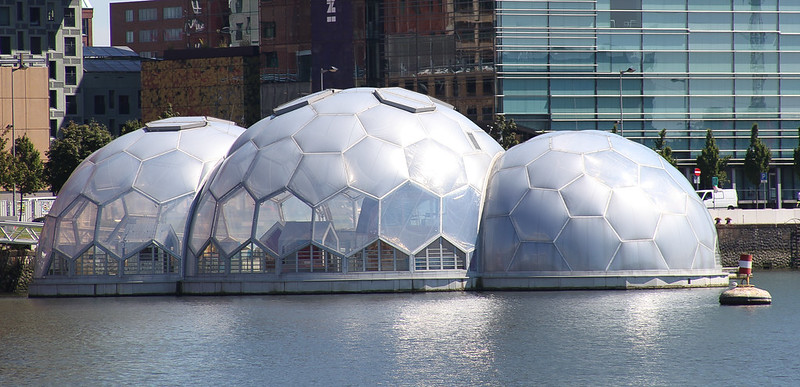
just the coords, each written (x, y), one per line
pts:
(172, 13)
(51, 40)
(54, 99)
(664, 20)
(128, 15)
(572, 86)
(271, 59)
(35, 16)
(756, 62)
(710, 21)
(664, 62)
(20, 40)
(72, 104)
(5, 45)
(70, 48)
(20, 11)
(124, 105)
(128, 36)
(51, 12)
(790, 63)
(721, 86)
(52, 69)
(69, 17)
(111, 94)
(99, 104)
(36, 45)
(5, 16)
(172, 34)
(70, 75)
(664, 41)
(763, 5)
(148, 14)
(710, 62)
(268, 30)
(148, 36)
(760, 21)
(746, 41)
(717, 41)
(663, 4)
(709, 5)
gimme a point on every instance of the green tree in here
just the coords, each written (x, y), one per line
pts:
(6, 162)
(710, 163)
(664, 150)
(505, 132)
(28, 169)
(614, 129)
(130, 126)
(76, 142)
(757, 159)
(169, 112)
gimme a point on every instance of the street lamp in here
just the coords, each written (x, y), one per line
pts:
(323, 71)
(629, 70)
(20, 66)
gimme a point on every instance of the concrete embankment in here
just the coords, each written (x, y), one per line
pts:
(16, 270)
(765, 234)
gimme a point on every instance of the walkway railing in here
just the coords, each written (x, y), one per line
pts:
(20, 233)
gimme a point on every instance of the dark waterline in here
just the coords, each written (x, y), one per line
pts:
(646, 337)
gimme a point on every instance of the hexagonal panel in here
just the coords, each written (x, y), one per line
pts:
(460, 217)
(75, 228)
(172, 220)
(612, 168)
(195, 142)
(160, 179)
(705, 258)
(234, 221)
(586, 196)
(398, 127)
(538, 256)
(202, 220)
(540, 216)
(447, 132)
(112, 177)
(319, 176)
(73, 187)
(303, 102)
(638, 255)
(273, 167)
(350, 101)
(354, 217)
(233, 170)
(116, 146)
(555, 169)
(500, 243)
(668, 196)
(385, 167)
(273, 129)
(525, 153)
(505, 189)
(269, 225)
(410, 217)
(477, 166)
(632, 214)
(581, 142)
(701, 222)
(638, 152)
(331, 133)
(435, 167)
(588, 244)
(676, 241)
(154, 144)
(136, 228)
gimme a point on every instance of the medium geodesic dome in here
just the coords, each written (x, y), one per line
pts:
(589, 202)
(345, 181)
(123, 210)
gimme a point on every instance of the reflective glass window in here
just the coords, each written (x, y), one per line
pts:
(755, 41)
(710, 21)
(760, 21)
(709, 5)
(716, 41)
(664, 20)
(664, 62)
(755, 62)
(710, 62)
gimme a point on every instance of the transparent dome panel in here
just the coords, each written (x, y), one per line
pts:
(153, 144)
(612, 169)
(392, 125)
(638, 152)
(668, 196)
(169, 176)
(678, 177)
(537, 256)
(540, 216)
(460, 217)
(208, 143)
(269, 224)
(354, 218)
(235, 221)
(172, 220)
(112, 177)
(233, 170)
(581, 142)
(702, 224)
(375, 166)
(447, 132)
(632, 214)
(523, 154)
(477, 166)
(410, 217)
(333, 133)
(588, 244)
(277, 128)
(586, 196)
(116, 146)
(435, 167)
(44, 250)
(555, 169)
(319, 176)
(506, 189)
(136, 227)
(75, 228)
(676, 241)
(404, 99)
(351, 101)
(273, 167)
(638, 255)
(72, 187)
(705, 259)
(109, 222)
(203, 219)
(499, 242)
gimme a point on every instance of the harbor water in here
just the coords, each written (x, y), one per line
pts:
(642, 337)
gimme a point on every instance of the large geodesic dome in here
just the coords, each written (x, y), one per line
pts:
(345, 181)
(592, 202)
(123, 210)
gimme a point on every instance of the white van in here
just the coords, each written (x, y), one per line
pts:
(719, 198)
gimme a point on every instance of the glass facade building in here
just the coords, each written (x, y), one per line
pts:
(694, 65)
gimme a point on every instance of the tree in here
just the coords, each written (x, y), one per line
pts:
(757, 158)
(28, 169)
(710, 163)
(130, 126)
(75, 144)
(505, 132)
(169, 112)
(664, 150)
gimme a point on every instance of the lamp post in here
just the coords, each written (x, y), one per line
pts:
(323, 71)
(628, 70)
(20, 66)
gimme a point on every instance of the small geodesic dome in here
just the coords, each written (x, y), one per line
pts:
(592, 202)
(123, 210)
(345, 181)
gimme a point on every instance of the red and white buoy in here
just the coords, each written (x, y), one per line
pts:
(746, 266)
(744, 293)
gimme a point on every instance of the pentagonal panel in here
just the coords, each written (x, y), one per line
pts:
(351, 101)
(273, 129)
(73, 187)
(540, 216)
(202, 220)
(435, 167)
(195, 142)
(75, 228)
(588, 244)
(354, 220)
(642, 154)
(500, 242)
(376, 166)
(477, 166)
(169, 176)
(233, 170)
(112, 177)
(410, 217)
(447, 132)
(318, 176)
(392, 125)
(612, 169)
(116, 146)
(234, 221)
(273, 167)
(586, 196)
(460, 217)
(638, 255)
(676, 241)
(506, 188)
(154, 143)
(632, 214)
(581, 142)
(668, 196)
(525, 153)
(538, 256)
(555, 169)
(333, 133)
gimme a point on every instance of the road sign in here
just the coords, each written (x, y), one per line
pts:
(697, 171)
(763, 177)
(715, 181)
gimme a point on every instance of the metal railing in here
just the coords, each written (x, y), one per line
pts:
(20, 233)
